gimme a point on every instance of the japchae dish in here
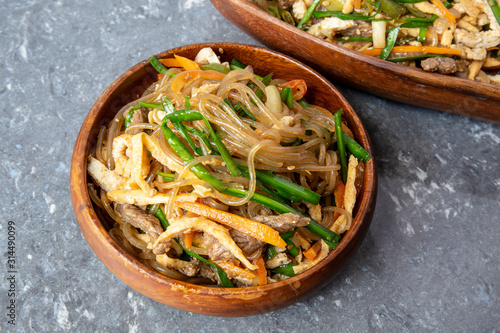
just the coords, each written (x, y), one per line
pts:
(460, 37)
(219, 176)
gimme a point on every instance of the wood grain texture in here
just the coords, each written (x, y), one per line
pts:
(393, 81)
(211, 300)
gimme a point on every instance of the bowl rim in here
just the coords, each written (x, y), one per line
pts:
(89, 221)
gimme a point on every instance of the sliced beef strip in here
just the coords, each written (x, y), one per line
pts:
(191, 268)
(362, 28)
(284, 222)
(140, 219)
(441, 65)
(217, 251)
(246, 243)
(208, 272)
(139, 116)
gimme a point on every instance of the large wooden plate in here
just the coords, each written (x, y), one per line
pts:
(383, 78)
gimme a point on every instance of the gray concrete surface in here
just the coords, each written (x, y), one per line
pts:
(430, 262)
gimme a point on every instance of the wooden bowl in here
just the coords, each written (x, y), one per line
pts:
(383, 78)
(213, 300)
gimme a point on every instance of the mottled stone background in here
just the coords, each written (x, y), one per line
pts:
(430, 262)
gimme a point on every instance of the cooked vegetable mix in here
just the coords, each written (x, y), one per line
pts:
(219, 176)
(460, 37)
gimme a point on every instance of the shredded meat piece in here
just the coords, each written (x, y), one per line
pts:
(139, 116)
(208, 272)
(285, 4)
(440, 65)
(246, 243)
(284, 222)
(140, 219)
(217, 251)
(362, 28)
(191, 268)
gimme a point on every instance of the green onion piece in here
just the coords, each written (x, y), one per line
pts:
(274, 12)
(392, 8)
(187, 102)
(265, 80)
(270, 252)
(340, 144)
(285, 188)
(157, 65)
(167, 105)
(182, 130)
(169, 177)
(128, 117)
(203, 138)
(160, 216)
(272, 193)
(421, 34)
(392, 37)
(415, 24)
(288, 234)
(355, 148)
(215, 67)
(244, 109)
(224, 280)
(495, 9)
(303, 103)
(309, 13)
(286, 269)
(287, 17)
(294, 251)
(287, 97)
(356, 39)
(236, 64)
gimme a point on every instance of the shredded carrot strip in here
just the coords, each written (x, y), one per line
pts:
(232, 270)
(411, 48)
(187, 64)
(444, 11)
(188, 239)
(347, 130)
(357, 4)
(299, 88)
(255, 229)
(339, 195)
(313, 251)
(171, 62)
(261, 271)
(178, 82)
(182, 78)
